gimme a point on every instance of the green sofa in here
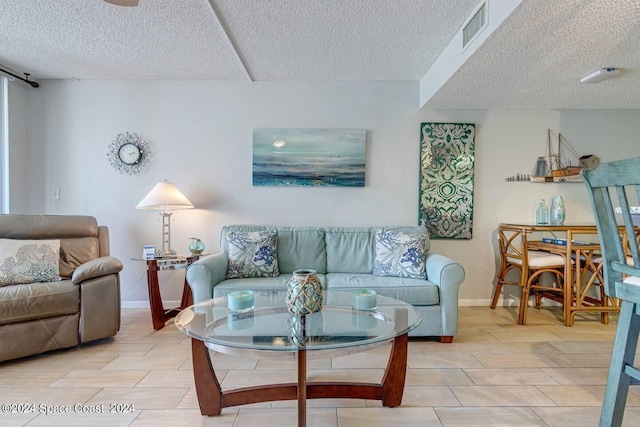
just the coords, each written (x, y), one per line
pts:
(344, 259)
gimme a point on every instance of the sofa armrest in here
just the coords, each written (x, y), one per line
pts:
(99, 307)
(448, 275)
(95, 268)
(204, 274)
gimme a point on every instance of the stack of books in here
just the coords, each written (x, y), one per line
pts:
(563, 242)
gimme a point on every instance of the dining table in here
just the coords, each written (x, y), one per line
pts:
(578, 245)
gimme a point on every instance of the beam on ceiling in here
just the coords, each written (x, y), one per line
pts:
(454, 55)
(233, 46)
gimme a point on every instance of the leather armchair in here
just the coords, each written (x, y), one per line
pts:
(83, 306)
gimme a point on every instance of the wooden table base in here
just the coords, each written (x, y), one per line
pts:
(212, 399)
(159, 314)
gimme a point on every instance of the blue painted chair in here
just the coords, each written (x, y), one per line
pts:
(611, 185)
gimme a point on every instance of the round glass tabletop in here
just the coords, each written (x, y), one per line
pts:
(270, 326)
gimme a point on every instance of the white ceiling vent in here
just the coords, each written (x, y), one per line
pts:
(473, 27)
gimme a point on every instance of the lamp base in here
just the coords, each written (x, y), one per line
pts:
(166, 251)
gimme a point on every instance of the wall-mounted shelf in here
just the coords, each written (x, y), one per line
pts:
(557, 181)
(552, 167)
(520, 177)
(575, 179)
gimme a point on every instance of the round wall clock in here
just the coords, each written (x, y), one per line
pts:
(128, 153)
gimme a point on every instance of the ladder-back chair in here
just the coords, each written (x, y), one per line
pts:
(610, 185)
(529, 265)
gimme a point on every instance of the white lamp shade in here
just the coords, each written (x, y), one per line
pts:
(164, 197)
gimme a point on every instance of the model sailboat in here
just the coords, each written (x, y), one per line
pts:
(554, 166)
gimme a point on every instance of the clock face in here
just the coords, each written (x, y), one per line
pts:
(129, 154)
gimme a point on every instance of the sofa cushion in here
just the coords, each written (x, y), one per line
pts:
(28, 261)
(412, 291)
(75, 251)
(274, 286)
(250, 283)
(301, 248)
(298, 247)
(252, 254)
(350, 249)
(37, 336)
(31, 301)
(399, 254)
(258, 283)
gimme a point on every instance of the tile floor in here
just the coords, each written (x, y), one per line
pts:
(495, 373)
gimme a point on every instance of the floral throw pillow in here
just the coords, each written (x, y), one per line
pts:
(400, 254)
(252, 254)
(28, 261)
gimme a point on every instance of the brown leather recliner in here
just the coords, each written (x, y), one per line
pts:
(83, 306)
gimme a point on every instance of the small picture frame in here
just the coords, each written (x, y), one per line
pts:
(148, 252)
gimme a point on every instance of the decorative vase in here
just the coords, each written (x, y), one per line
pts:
(557, 212)
(196, 246)
(304, 292)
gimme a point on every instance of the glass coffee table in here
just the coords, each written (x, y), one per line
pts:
(270, 330)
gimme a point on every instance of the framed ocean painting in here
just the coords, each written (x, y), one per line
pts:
(309, 157)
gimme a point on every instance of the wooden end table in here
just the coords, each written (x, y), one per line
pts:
(160, 315)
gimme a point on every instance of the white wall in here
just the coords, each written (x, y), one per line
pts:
(18, 146)
(200, 134)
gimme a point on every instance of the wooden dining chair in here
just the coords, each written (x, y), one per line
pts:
(589, 288)
(528, 267)
(618, 184)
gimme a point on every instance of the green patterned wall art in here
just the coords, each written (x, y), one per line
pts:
(446, 179)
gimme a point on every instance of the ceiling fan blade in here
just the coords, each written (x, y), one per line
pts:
(123, 2)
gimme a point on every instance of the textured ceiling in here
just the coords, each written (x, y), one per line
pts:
(538, 55)
(534, 60)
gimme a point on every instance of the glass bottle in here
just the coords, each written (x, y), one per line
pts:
(196, 246)
(542, 213)
(557, 213)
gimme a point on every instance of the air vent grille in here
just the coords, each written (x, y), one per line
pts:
(475, 24)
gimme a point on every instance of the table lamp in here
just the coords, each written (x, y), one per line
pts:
(165, 197)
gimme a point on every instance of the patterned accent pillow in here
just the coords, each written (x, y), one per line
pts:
(29, 261)
(252, 254)
(400, 254)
